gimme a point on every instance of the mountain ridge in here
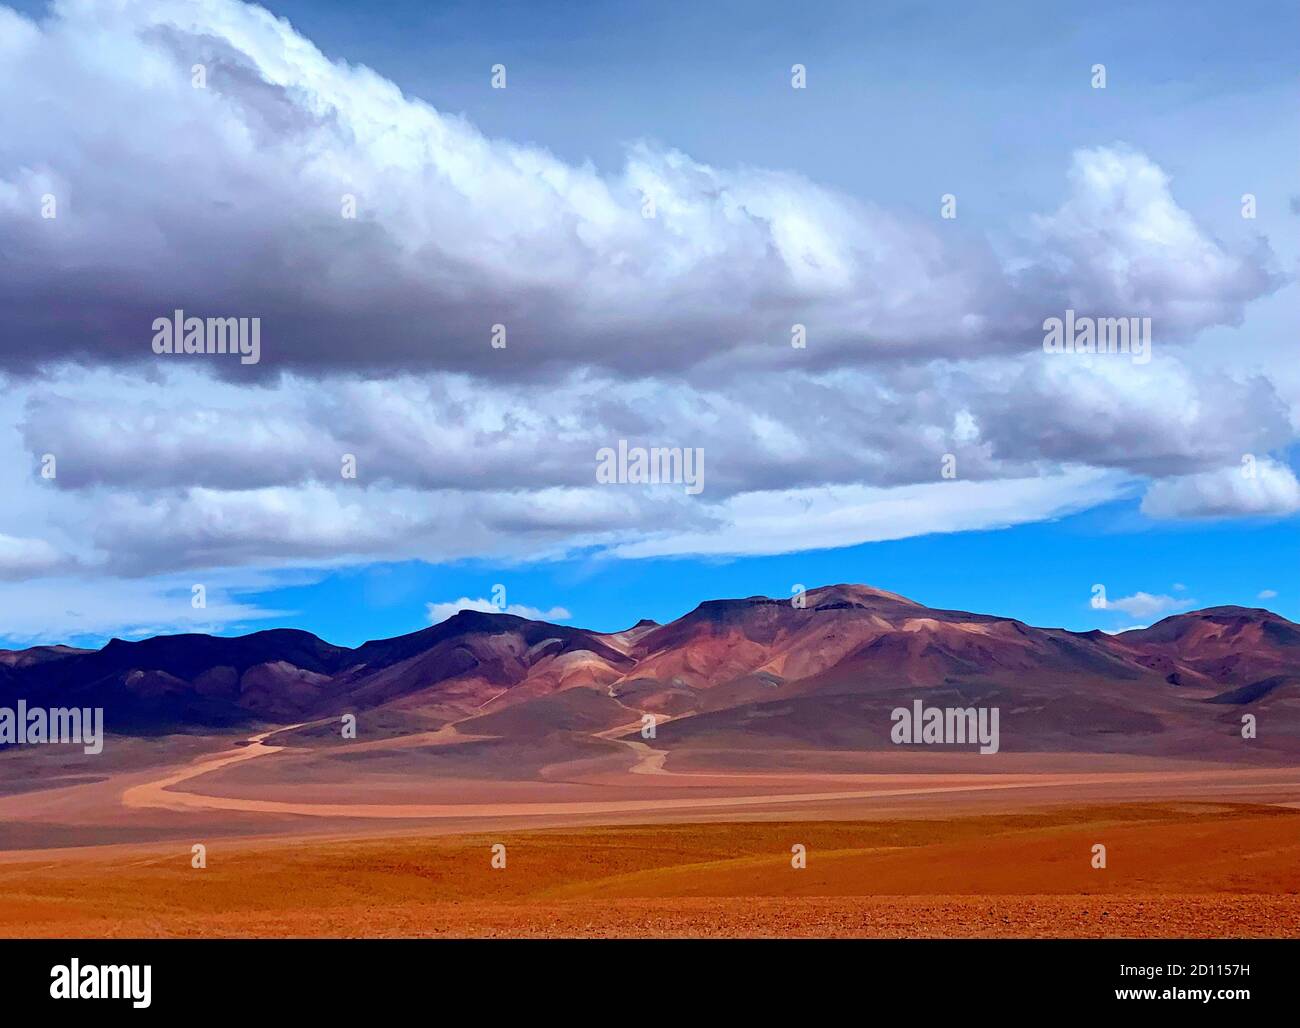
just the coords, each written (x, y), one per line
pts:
(816, 650)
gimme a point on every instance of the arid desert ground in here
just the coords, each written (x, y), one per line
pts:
(627, 845)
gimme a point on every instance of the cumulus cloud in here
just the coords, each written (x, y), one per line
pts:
(439, 612)
(186, 472)
(1148, 606)
(760, 432)
(24, 557)
(456, 233)
(1262, 486)
(1167, 418)
(923, 343)
(315, 526)
(1120, 246)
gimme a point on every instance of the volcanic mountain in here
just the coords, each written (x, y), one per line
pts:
(753, 672)
(1249, 648)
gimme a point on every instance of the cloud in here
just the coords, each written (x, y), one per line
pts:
(670, 331)
(760, 431)
(1267, 594)
(811, 519)
(25, 557)
(181, 471)
(85, 609)
(439, 612)
(1260, 487)
(1171, 417)
(1148, 606)
(315, 526)
(456, 233)
(1121, 246)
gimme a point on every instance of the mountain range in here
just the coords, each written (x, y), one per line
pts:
(749, 672)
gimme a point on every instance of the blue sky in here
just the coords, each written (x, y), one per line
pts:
(1042, 574)
(520, 205)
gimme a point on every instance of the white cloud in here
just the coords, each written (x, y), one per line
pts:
(60, 609)
(1148, 605)
(1226, 492)
(1267, 594)
(456, 232)
(316, 525)
(810, 519)
(1171, 417)
(1125, 248)
(24, 557)
(439, 612)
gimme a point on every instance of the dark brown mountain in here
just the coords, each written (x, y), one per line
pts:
(37, 655)
(176, 680)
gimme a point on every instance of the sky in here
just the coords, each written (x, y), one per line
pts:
(648, 208)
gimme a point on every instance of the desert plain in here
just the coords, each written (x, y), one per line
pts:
(1192, 850)
(730, 774)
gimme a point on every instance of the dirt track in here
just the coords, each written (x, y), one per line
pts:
(163, 792)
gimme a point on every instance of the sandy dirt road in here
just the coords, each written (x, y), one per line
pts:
(164, 792)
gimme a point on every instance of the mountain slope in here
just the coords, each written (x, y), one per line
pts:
(1218, 645)
(826, 672)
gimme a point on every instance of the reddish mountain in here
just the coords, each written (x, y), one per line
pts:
(1217, 647)
(755, 672)
(728, 649)
(472, 660)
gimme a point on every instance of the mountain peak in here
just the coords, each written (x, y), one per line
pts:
(823, 597)
(1188, 619)
(851, 595)
(1231, 610)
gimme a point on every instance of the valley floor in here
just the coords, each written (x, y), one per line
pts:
(397, 838)
(1172, 869)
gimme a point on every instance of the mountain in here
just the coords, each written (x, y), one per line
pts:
(1218, 646)
(729, 648)
(761, 674)
(744, 672)
(180, 680)
(459, 667)
(37, 655)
